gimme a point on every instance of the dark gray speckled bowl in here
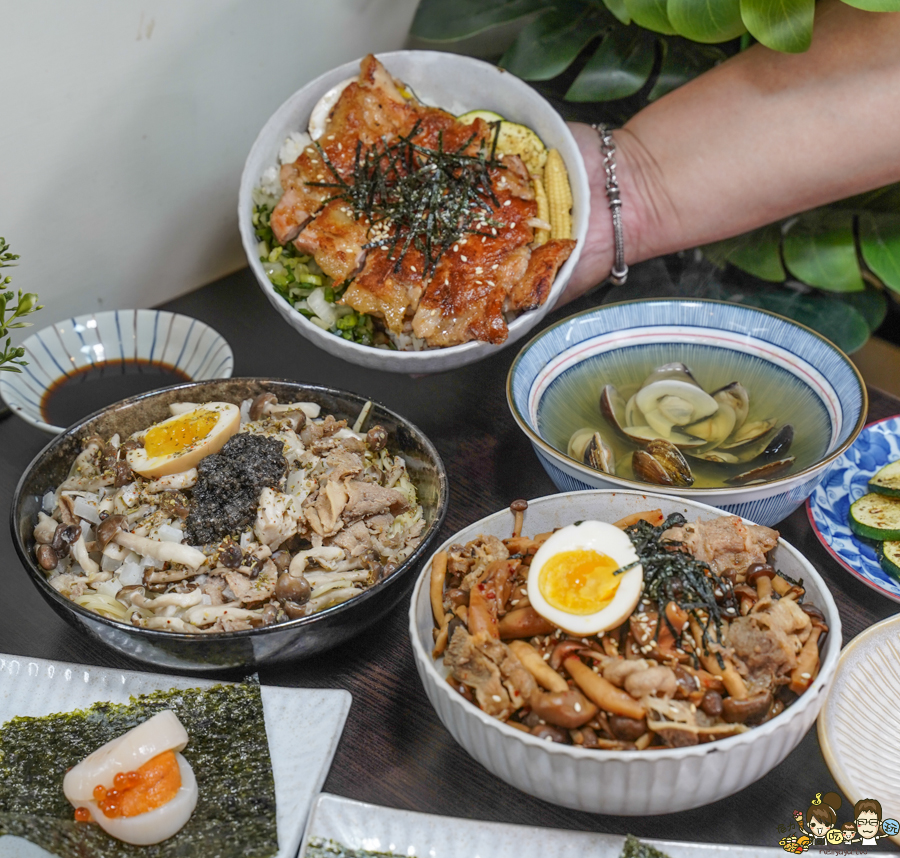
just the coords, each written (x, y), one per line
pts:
(295, 639)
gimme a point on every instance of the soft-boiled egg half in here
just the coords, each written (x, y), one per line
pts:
(179, 443)
(137, 788)
(572, 581)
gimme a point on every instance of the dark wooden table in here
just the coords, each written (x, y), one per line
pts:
(394, 751)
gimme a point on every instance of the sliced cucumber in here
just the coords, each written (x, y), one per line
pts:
(887, 480)
(513, 139)
(486, 115)
(890, 560)
(876, 517)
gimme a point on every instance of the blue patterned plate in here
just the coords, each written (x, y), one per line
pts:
(829, 505)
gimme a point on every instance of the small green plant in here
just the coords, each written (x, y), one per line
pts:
(11, 314)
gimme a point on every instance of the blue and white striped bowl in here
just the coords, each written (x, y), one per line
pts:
(827, 373)
(92, 340)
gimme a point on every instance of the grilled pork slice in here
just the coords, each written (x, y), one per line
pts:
(466, 297)
(335, 238)
(726, 544)
(533, 288)
(387, 294)
(368, 110)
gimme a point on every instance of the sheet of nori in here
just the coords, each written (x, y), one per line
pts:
(319, 848)
(228, 750)
(634, 848)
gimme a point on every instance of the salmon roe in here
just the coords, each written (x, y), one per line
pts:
(154, 784)
(82, 814)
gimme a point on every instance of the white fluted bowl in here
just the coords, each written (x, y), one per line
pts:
(189, 346)
(455, 83)
(627, 783)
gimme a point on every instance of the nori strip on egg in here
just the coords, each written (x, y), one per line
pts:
(228, 750)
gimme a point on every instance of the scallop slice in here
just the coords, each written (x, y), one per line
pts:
(126, 753)
(155, 825)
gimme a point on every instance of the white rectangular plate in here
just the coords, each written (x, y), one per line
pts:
(367, 826)
(35, 687)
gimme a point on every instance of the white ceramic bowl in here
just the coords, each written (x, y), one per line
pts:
(629, 783)
(742, 340)
(457, 84)
(855, 734)
(174, 341)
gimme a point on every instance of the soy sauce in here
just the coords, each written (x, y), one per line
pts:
(93, 387)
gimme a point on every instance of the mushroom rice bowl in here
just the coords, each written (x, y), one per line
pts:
(224, 518)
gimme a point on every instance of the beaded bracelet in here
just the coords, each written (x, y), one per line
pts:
(619, 273)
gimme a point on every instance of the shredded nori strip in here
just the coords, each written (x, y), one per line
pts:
(673, 575)
(319, 848)
(425, 198)
(634, 848)
(228, 750)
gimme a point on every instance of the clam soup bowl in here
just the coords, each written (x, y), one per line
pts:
(291, 640)
(457, 84)
(627, 783)
(562, 370)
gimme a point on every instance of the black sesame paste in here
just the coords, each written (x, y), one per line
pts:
(227, 491)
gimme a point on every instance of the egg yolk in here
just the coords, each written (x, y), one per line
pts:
(176, 436)
(154, 784)
(579, 582)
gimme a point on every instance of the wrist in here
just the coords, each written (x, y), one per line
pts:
(598, 253)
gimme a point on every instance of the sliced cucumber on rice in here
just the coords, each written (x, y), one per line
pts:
(890, 560)
(887, 480)
(875, 516)
(513, 139)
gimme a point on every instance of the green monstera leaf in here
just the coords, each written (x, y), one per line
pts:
(451, 20)
(618, 68)
(548, 45)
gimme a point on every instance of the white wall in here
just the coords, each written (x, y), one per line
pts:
(124, 125)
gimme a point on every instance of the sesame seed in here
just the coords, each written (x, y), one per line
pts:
(484, 237)
(412, 268)
(546, 656)
(493, 231)
(478, 269)
(495, 266)
(330, 137)
(456, 247)
(507, 202)
(496, 698)
(805, 675)
(577, 707)
(514, 602)
(479, 283)
(464, 258)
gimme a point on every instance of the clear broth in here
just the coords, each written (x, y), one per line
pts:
(94, 387)
(572, 402)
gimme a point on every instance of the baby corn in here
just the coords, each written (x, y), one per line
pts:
(543, 210)
(559, 196)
